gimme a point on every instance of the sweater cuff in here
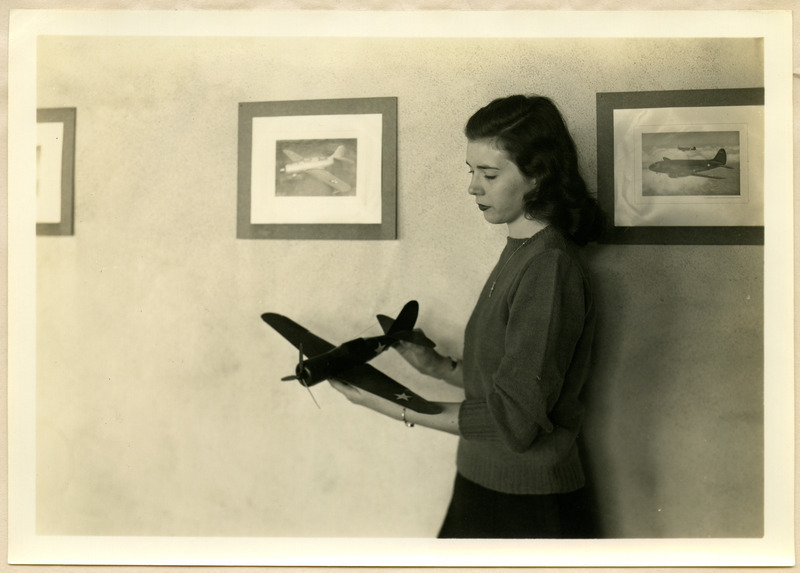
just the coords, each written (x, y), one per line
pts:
(475, 421)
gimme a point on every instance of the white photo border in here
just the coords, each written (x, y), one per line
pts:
(26, 546)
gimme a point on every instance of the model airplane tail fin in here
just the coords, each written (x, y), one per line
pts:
(340, 154)
(406, 320)
(721, 157)
(402, 328)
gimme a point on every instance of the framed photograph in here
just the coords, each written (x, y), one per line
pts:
(682, 167)
(55, 169)
(318, 169)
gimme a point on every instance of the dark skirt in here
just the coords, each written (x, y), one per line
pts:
(477, 512)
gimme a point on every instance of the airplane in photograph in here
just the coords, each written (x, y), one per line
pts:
(317, 167)
(320, 360)
(695, 167)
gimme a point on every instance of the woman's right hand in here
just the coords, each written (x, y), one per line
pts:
(424, 358)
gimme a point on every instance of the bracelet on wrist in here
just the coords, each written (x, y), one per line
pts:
(405, 421)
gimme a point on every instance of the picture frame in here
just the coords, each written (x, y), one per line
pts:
(318, 169)
(55, 171)
(681, 167)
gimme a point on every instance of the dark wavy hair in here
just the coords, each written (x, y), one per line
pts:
(531, 130)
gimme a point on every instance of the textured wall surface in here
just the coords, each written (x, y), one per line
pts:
(160, 410)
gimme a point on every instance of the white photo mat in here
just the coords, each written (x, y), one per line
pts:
(269, 208)
(633, 208)
(49, 151)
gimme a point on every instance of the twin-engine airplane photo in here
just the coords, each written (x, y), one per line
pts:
(317, 167)
(320, 360)
(685, 167)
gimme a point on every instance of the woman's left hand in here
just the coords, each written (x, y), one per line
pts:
(366, 399)
(446, 421)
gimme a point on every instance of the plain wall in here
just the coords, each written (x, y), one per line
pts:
(159, 405)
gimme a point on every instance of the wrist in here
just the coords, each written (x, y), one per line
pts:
(445, 367)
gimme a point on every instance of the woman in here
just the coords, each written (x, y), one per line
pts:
(527, 344)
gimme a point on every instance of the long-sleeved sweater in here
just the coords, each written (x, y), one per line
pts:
(527, 350)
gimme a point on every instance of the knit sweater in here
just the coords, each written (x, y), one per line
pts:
(527, 350)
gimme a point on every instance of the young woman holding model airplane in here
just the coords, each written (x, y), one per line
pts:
(528, 342)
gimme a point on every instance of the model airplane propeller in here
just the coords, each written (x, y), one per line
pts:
(320, 360)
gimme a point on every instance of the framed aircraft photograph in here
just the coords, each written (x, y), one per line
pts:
(682, 167)
(55, 167)
(318, 169)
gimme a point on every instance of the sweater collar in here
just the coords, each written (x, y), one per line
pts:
(514, 242)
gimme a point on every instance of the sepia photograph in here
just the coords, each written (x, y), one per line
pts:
(308, 168)
(401, 289)
(675, 165)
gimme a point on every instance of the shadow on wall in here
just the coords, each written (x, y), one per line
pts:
(674, 428)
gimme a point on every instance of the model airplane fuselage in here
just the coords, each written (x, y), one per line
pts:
(301, 164)
(685, 167)
(321, 360)
(332, 363)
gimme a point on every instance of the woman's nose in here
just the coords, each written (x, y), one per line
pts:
(474, 188)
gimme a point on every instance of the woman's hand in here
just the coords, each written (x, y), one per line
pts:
(424, 358)
(367, 399)
(446, 420)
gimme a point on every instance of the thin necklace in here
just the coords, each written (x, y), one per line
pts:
(497, 276)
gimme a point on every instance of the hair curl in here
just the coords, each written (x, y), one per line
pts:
(531, 130)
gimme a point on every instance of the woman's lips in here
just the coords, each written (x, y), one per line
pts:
(482, 207)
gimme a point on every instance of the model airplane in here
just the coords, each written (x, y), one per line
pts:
(348, 362)
(317, 167)
(686, 167)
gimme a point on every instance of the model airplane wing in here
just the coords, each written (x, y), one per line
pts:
(312, 345)
(331, 180)
(706, 176)
(374, 381)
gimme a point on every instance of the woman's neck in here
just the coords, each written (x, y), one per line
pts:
(523, 228)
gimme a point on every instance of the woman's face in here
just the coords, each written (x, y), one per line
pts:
(497, 184)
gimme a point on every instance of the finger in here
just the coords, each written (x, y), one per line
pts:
(344, 387)
(340, 386)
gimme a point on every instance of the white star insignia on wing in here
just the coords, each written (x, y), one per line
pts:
(380, 348)
(403, 396)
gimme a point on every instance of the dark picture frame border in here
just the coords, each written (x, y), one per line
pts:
(67, 116)
(607, 102)
(385, 230)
